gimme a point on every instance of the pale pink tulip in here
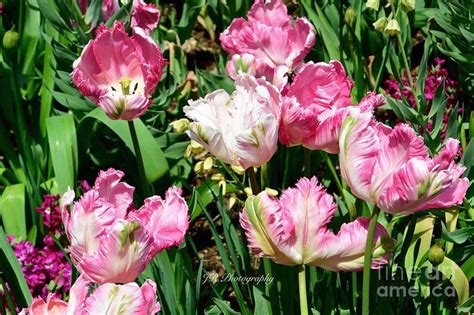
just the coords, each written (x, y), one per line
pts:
(292, 230)
(271, 36)
(52, 306)
(315, 105)
(110, 242)
(118, 72)
(392, 169)
(239, 129)
(111, 299)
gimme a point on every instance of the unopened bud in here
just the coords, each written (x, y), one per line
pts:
(350, 16)
(392, 28)
(11, 39)
(180, 125)
(271, 192)
(238, 169)
(436, 255)
(407, 5)
(207, 165)
(248, 191)
(373, 4)
(198, 168)
(380, 24)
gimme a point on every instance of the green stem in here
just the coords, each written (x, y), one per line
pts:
(138, 154)
(263, 176)
(368, 261)
(332, 169)
(253, 181)
(307, 162)
(302, 289)
(407, 67)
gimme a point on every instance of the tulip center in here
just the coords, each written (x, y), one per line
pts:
(125, 84)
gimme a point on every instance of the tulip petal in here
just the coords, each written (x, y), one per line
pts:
(345, 251)
(110, 187)
(165, 220)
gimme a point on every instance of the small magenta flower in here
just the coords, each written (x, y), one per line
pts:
(239, 129)
(392, 169)
(118, 72)
(52, 306)
(292, 230)
(272, 37)
(111, 242)
(145, 15)
(112, 298)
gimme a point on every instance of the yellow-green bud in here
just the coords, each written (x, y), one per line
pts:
(380, 24)
(11, 39)
(180, 125)
(407, 5)
(392, 28)
(436, 255)
(350, 16)
(373, 4)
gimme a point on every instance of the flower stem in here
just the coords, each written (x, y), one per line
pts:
(368, 261)
(407, 67)
(253, 181)
(307, 162)
(302, 289)
(138, 154)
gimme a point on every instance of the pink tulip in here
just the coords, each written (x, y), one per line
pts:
(52, 306)
(246, 63)
(292, 230)
(239, 129)
(315, 105)
(145, 16)
(271, 36)
(109, 7)
(111, 299)
(118, 72)
(111, 242)
(392, 169)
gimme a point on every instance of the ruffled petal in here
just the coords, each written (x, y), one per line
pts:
(165, 220)
(345, 251)
(110, 187)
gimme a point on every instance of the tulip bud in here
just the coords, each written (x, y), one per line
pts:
(248, 191)
(436, 255)
(238, 169)
(380, 24)
(207, 165)
(350, 16)
(407, 5)
(373, 4)
(271, 192)
(180, 125)
(198, 168)
(392, 28)
(11, 39)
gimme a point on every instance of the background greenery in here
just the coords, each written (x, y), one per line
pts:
(51, 137)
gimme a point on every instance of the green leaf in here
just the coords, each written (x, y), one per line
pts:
(12, 210)
(458, 236)
(154, 160)
(63, 146)
(189, 17)
(324, 28)
(457, 277)
(422, 235)
(262, 303)
(11, 270)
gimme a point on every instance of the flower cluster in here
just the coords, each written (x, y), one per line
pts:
(45, 265)
(437, 73)
(111, 242)
(389, 168)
